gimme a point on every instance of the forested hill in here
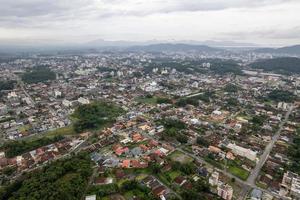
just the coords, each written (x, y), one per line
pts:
(292, 50)
(279, 65)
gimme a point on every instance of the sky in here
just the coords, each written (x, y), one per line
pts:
(263, 22)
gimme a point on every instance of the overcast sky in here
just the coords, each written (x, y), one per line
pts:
(266, 22)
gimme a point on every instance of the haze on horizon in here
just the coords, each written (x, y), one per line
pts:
(263, 22)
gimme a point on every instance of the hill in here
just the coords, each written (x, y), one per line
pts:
(173, 48)
(291, 50)
(279, 65)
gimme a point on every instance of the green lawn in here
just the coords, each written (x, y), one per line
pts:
(173, 174)
(68, 130)
(24, 128)
(152, 100)
(180, 157)
(262, 185)
(132, 193)
(239, 172)
(214, 163)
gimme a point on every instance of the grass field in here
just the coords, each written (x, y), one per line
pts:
(174, 174)
(239, 172)
(68, 130)
(180, 157)
(145, 100)
(65, 131)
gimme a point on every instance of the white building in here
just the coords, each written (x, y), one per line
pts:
(83, 100)
(290, 185)
(225, 191)
(91, 197)
(214, 179)
(241, 151)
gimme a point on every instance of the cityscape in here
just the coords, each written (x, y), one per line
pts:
(155, 120)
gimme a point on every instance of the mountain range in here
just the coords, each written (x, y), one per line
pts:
(149, 46)
(291, 50)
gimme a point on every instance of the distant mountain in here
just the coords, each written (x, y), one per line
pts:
(173, 48)
(280, 65)
(291, 50)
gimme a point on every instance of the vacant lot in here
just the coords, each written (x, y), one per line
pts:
(180, 157)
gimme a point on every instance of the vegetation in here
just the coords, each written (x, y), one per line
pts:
(15, 148)
(281, 95)
(61, 180)
(203, 142)
(205, 97)
(174, 129)
(199, 191)
(7, 85)
(280, 65)
(38, 74)
(185, 168)
(226, 67)
(177, 156)
(231, 88)
(150, 99)
(67, 130)
(95, 115)
(161, 100)
(294, 153)
(129, 187)
(236, 170)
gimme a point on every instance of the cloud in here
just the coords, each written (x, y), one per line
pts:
(148, 19)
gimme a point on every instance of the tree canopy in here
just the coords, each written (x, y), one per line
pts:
(280, 65)
(15, 148)
(38, 74)
(95, 115)
(61, 180)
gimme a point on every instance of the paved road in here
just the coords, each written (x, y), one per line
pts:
(193, 95)
(263, 158)
(250, 183)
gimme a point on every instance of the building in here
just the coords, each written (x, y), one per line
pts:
(225, 191)
(91, 197)
(214, 179)
(241, 151)
(290, 185)
(256, 194)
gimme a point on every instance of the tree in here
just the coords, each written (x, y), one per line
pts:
(201, 141)
(95, 115)
(182, 138)
(38, 74)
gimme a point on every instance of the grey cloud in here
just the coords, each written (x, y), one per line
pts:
(271, 33)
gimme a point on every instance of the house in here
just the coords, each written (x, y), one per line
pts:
(180, 180)
(137, 137)
(126, 164)
(230, 156)
(214, 149)
(138, 164)
(136, 151)
(148, 180)
(256, 194)
(159, 191)
(120, 174)
(91, 197)
(111, 162)
(96, 157)
(120, 150)
(103, 181)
